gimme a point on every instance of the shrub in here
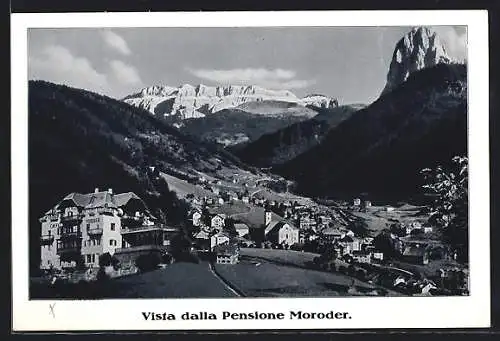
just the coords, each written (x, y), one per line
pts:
(343, 269)
(147, 262)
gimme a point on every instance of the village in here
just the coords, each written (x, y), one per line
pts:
(399, 260)
(240, 220)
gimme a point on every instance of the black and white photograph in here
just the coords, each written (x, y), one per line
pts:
(248, 162)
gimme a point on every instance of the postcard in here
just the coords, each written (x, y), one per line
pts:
(250, 170)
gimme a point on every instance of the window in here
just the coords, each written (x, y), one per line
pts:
(112, 226)
(88, 227)
(98, 242)
(112, 242)
(89, 259)
(93, 258)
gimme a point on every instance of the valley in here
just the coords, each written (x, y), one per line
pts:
(240, 190)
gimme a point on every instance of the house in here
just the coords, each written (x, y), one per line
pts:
(331, 234)
(219, 238)
(306, 222)
(427, 229)
(220, 201)
(202, 240)
(427, 286)
(217, 222)
(367, 203)
(245, 199)
(362, 256)
(196, 217)
(378, 255)
(356, 202)
(226, 254)
(414, 225)
(81, 227)
(282, 233)
(349, 244)
(389, 209)
(242, 229)
(416, 254)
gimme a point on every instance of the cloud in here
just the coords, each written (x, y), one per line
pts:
(57, 64)
(116, 42)
(454, 39)
(125, 73)
(275, 79)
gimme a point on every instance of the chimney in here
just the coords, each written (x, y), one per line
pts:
(96, 190)
(110, 190)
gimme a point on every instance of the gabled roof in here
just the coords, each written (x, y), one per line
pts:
(274, 227)
(347, 239)
(123, 198)
(241, 226)
(98, 199)
(414, 251)
(332, 231)
(202, 235)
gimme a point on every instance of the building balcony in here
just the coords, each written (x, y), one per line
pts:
(131, 221)
(71, 218)
(105, 211)
(71, 235)
(94, 232)
(140, 248)
(46, 239)
(53, 217)
(68, 249)
(147, 228)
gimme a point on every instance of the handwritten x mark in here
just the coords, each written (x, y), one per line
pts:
(51, 306)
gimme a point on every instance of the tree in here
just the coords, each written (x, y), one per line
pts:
(386, 244)
(398, 229)
(229, 227)
(449, 210)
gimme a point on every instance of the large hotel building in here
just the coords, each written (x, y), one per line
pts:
(81, 227)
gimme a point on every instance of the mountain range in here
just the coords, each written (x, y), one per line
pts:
(188, 101)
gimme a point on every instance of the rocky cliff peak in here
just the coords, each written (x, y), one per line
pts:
(419, 49)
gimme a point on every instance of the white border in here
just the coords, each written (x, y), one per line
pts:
(370, 312)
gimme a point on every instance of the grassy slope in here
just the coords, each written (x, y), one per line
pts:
(269, 279)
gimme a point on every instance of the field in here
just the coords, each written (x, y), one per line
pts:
(378, 219)
(262, 273)
(179, 280)
(183, 188)
(285, 257)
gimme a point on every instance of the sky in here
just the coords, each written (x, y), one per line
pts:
(348, 63)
